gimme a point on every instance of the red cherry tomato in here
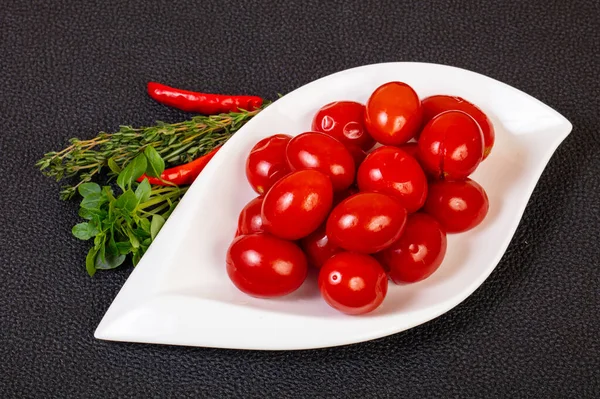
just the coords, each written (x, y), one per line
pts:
(366, 222)
(297, 204)
(353, 283)
(321, 152)
(457, 205)
(391, 171)
(342, 195)
(265, 266)
(393, 113)
(344, 120)
(451, 145)
(419, 251)
(318, 247)
(435, 105)
(267, 162)
(250, 219)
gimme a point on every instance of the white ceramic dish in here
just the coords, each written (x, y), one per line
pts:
(180, 293)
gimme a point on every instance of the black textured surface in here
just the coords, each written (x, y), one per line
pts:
(71, 69)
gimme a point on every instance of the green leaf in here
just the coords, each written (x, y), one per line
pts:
(123, 247)
(90, 261)
(156, 225)
(156, 165)
(105, 261)
(93, 200)
(132, 172)
(92, 214)
(89, 188)
(113, 166)
(84, 231)
(135, 243)
(144, 223)
(143, 191)
(127, 201)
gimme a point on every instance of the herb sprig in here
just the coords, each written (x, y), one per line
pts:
(124, 224)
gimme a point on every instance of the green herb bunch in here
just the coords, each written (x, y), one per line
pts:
(124, 224)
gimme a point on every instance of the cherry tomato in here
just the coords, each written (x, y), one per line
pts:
(321, 152)
(353, 283)
(265, 266)
(457, 205)
(366, 222)
(419, 251)
(250, 219)
(393, 113)
(342, 195)
(318, 247)
(435, 105)
(451, 145)
(297, 204)
(267, 162)
(391, 171)
(344, 120)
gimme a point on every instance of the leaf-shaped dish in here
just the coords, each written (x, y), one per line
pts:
(180, 293)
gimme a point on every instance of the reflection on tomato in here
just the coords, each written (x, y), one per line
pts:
(250, 219)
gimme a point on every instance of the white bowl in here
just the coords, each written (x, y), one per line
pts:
(180, 293)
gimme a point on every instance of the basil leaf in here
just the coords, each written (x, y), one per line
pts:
(92, 214)
(127, 201)
(88, 188)
(93, 200)
(90, 261)
(113, 166)
(156, 225)
(105, 261)
(143, 191)
(144, 223)
(132, 172)
(123, 247)
(156, 165)
(84, 231)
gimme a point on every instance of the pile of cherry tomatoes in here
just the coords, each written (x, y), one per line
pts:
(332, 199)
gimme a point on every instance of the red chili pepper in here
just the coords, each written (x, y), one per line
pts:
(182, 174)
(203, 103)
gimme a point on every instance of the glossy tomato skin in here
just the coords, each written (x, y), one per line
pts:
(457, 205)
(267, 162)
(366, 222)
(358, 154)
(318, 247)
(390, 170)
(265, 266)
(353, 283)
(435, 105)
(451, 146)
(344, 120)
(297, 204)
(250, 219)
(393, 113)
(321, 152)
(419, 251)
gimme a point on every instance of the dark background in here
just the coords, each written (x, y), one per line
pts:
(72, 69)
